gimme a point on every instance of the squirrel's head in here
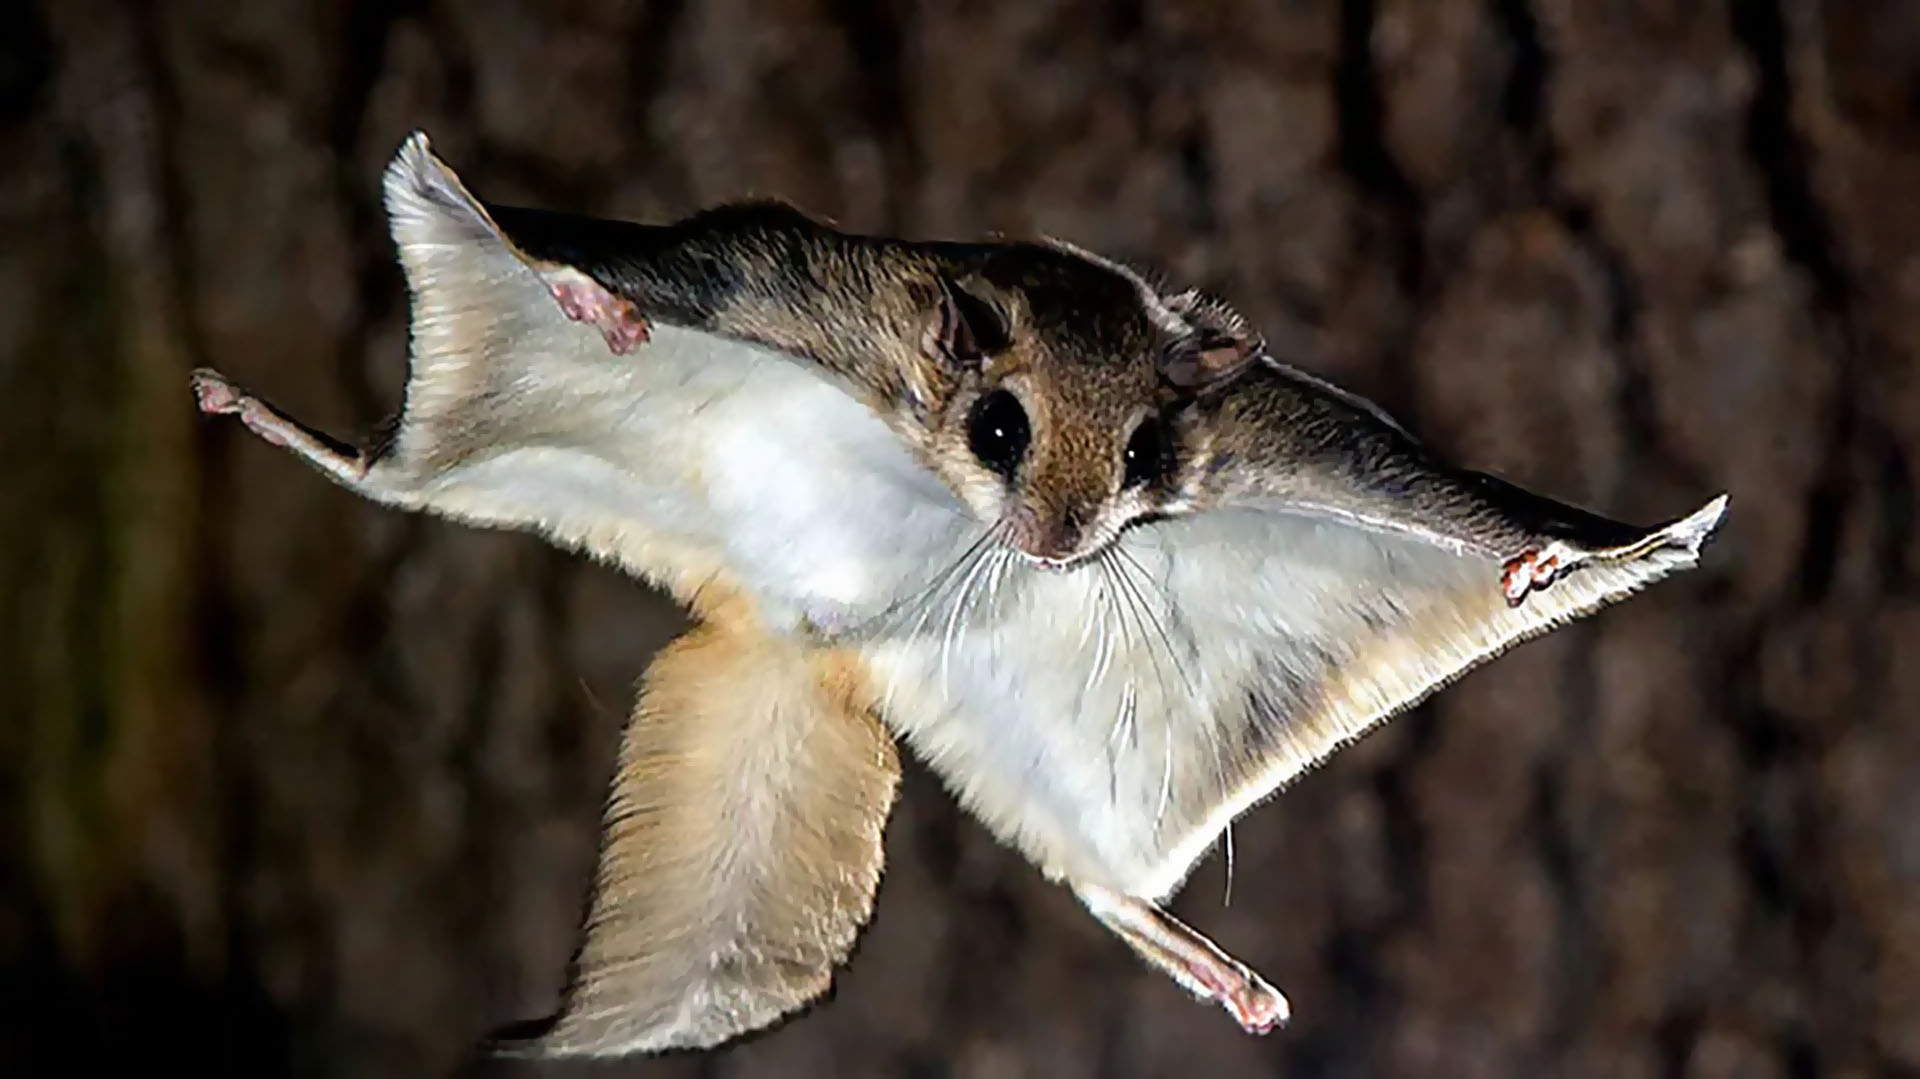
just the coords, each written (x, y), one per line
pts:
(1068, 386)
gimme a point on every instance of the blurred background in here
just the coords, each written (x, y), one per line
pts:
(291, 784)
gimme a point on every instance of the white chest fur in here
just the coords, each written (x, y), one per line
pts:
(1078, 718)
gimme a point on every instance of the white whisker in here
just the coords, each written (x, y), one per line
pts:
(1129, 715)
(1130, 613)
(1103, 643)
(1150, 615)
(1226, 897)
(925, 601)
(1141, 591)
(1146, 579)
(962, 604)
(1166, 773)
(1003, 559)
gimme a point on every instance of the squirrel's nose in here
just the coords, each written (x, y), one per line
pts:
(1051, 537)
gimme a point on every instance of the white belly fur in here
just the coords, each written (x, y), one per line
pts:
(1042, 749)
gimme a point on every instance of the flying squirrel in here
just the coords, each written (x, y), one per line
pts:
(1113, 571)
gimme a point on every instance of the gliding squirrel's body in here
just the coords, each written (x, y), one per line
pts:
(1113, 572)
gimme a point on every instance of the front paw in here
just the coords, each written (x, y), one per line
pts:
(1534, 570)
(583, 299)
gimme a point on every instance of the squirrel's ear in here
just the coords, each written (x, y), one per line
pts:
(1209, 361)
(1221, 346)
(969, 327)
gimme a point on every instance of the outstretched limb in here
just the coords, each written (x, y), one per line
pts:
(219, 395)
(1189, 958)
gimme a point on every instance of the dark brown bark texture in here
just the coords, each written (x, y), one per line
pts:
(293, 784)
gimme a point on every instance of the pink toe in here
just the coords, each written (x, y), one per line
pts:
(1517, 577)
(214, 396)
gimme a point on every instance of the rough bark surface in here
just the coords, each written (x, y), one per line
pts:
(290, 783)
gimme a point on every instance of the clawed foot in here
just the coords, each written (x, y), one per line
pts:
(1533, 570)
(1255, 1005)
(585, 300)
(217, 395)
(1192, 960)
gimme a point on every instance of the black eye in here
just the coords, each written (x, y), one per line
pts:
(1146, 456)
(997, 432)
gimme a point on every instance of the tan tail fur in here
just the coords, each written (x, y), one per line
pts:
(743, 844)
